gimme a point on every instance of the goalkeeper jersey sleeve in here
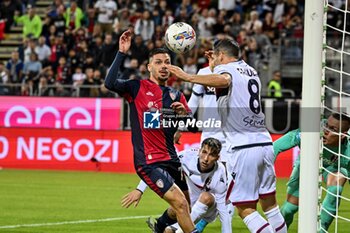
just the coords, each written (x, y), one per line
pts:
(287, 141)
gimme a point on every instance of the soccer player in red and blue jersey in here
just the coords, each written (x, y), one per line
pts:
(155, 157)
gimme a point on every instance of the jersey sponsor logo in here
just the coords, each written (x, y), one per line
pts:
(149, 93)
(253, 121)
(160, 183)
(151, 120)
(150, 104)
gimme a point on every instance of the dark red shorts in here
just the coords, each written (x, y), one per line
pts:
(161, 176)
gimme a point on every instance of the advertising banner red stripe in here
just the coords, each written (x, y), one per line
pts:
(86, 150)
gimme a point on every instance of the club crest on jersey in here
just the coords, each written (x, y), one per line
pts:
(160, 183)
(172, 96)
(233, 174)
(207, 182)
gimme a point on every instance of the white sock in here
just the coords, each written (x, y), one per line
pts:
(256, 223)
(276, 220)
(198, 210)
(231, 210)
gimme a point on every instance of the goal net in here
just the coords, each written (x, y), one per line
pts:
(334, 204)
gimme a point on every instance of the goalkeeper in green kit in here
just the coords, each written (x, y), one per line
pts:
(334, 177)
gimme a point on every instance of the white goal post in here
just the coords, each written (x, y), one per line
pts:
(310, 117)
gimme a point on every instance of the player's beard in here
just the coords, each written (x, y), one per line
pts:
(163, 78)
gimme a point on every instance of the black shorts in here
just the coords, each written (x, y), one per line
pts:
(161, 176)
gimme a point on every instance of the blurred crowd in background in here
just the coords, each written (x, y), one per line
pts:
(73, 46)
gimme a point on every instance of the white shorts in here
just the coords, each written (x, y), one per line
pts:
(253, 174)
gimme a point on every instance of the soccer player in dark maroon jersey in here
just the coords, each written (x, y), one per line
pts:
(155, 159)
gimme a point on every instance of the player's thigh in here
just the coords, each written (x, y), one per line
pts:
(157, 178)
(245, 165)
(267, 173)
(176, 198)
(175, 171)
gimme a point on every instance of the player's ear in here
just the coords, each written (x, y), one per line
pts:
(149, 67)
(343, 135)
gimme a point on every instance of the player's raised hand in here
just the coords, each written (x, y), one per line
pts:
(130, 198)
(125, 41)
(178, 72)
(209, 55)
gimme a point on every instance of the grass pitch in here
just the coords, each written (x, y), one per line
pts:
(57, 201)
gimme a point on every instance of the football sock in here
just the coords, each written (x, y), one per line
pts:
(330, 204)
(288, 210)
(256, 223)
(276, 220)
(201, 225)
(164, 221)
(198, 210)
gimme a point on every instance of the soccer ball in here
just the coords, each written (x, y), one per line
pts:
(180, 37)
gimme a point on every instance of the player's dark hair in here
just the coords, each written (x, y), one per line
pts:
(229, 46)
(344, 118)
(213, 144)
(158, 51)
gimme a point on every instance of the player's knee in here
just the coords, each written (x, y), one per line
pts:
(207, 199)
(181, 205)
(171, 212)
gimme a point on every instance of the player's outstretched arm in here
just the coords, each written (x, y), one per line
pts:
(287, 141)
(212, 80)
(115, 81)
(134, 196)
